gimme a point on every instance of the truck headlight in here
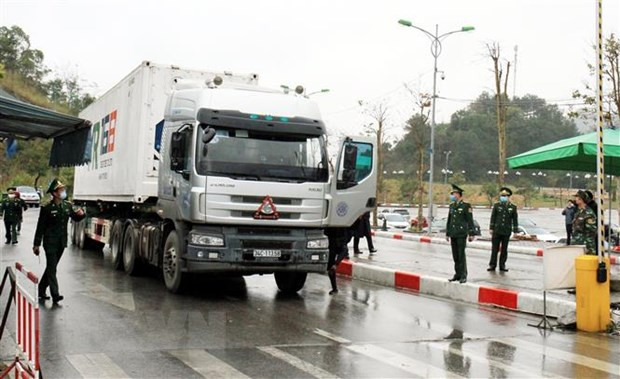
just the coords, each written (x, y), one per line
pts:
(205, 240)
(322, 243)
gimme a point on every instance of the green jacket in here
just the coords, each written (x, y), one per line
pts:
(460, 220)
(504, 219)
(52, 224)
(12, 209)
(584, 229)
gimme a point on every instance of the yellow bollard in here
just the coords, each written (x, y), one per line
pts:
(592, 297)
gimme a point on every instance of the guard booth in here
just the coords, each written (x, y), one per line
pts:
(23, 121)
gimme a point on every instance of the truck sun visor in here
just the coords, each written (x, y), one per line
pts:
(276, 124)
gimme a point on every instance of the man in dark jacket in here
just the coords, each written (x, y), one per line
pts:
(362, 230)
(504, 221)
(11, 209)
(569, 215)
(52, 232)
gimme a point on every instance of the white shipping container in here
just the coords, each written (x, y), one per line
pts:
(126, 133)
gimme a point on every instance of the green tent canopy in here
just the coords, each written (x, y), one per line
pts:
(572, 154)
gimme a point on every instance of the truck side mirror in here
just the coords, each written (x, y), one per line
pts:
(208, 135)
(178, 145)
(349, 165)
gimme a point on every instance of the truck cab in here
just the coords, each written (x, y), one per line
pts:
(245, 177)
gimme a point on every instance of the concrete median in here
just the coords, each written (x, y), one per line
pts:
(467, 292)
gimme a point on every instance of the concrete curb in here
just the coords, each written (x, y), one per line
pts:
(467, 292)
(472, 245)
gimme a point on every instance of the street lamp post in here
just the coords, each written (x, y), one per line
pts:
(447, 153)
(435, 51)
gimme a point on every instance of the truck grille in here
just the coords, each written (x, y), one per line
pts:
(263, 231)
(261, 244)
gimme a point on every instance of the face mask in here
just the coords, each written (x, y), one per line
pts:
(11, 196)
(452, 198)
(63, 195)
(503, 199)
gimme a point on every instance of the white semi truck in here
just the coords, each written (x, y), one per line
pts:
(206, 172)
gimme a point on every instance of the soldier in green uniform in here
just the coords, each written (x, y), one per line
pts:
(503, 223)
(584, 224)
(11, 209)
(460, 225)
(52, 231)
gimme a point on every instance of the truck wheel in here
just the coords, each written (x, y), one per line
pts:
(130, 251)
(171, 264)
(290, 282)
(83, 241)
(116, 245)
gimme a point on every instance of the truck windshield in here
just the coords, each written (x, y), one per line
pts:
(252, 155)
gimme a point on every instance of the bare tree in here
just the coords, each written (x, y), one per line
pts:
(418, 129)
(501, 71)
(611, 74)
(378, 112)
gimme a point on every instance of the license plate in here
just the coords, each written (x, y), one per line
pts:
(267, 253)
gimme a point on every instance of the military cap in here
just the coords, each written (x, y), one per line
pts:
(11, 189)
(456, 188)
(54, 185)
(505, 191)
(590, 195)
(582, 195)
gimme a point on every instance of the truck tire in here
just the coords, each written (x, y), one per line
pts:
(83, 241)
(290, 282)
(171, 263)
(116, 245)
(131, 261)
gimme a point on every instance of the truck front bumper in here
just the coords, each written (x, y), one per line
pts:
(241, 244)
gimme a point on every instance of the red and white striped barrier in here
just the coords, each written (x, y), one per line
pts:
(467, 292)
(27, 327)
(473, 245)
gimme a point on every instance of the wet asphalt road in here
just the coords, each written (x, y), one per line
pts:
(112, 325)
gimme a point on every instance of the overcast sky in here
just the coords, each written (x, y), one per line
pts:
(354, 48)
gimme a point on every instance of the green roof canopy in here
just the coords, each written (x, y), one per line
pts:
(21, 120)
(573, 154)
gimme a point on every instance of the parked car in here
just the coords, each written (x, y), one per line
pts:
(440, 224)
(537, 232)
(382, 213)
(395, 221)
(403, 212)
(29, 195)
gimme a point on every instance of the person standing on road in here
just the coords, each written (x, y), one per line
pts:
(362, 230)
(11, 210)
(504, 221)
(584, 224)
(52, 231)
(24, 207)
(460, 225)
(569, 215)
(338, 239)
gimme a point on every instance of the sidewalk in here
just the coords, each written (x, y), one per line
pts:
(425, 268)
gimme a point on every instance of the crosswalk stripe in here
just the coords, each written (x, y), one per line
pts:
(562, 355)
(96, 365)
(309, 368)
(404, 363)
(516, 370)
(330, 336)
(206, 364)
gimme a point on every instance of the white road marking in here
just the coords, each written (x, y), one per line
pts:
(308, 368)
(330, 336)
(206, 364)
(552, 352)
(512, 370)
(100, 292)
(96, 365)
(402, 362)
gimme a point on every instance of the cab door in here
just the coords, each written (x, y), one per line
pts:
(353, 186)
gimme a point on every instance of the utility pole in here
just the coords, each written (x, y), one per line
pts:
(447, 153)
(514, 83)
